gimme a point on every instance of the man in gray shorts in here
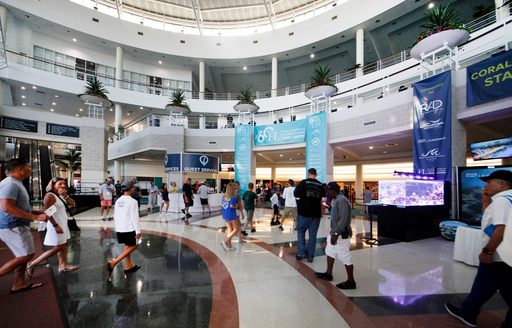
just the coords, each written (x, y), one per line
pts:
(15, 217)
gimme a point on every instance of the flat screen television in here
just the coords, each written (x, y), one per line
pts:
(470, 191)
(411, 192)
(492, 149)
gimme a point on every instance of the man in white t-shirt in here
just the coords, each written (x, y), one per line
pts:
(106, 194)
(495, 269)
(126, 223)
(290, 204)
(202, 191)
(153, 194)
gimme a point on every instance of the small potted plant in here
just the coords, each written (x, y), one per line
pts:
(177, 104)
(246, 102)
(442, 28)
(322, 84)
(95, 93)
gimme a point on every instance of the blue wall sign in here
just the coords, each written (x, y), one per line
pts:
(316, 144)
(432, 108)
(194, 163)
(490, 79)
(278, 134)
(243, 155)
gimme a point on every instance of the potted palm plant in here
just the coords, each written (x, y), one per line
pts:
(321, 83)
(95, 93)
(246, 102)
(442, 28)
(71, 162)
(177, 104)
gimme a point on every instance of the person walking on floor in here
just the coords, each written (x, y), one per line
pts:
(152, 196)
(106, 195)
(203, 197)
(164, 193)
(188, 198)
(274, 200)
(126, 223)
(495, 268)
(240, 215)
(15, 217)
(250, 198)
(309, 194)
(290, 204)
(57, 232)
(338, 240)
(229, 207)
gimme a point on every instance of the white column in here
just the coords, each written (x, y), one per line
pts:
(1, 92)
(117, 170)
(274, 77)
(119, 66)
(359, 51)
(359, 183)
(3, 17)
(201, 80)
(329, 165)
(273, 174)
(202, 122)
(118, 117)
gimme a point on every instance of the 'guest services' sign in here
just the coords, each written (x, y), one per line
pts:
(197, 163)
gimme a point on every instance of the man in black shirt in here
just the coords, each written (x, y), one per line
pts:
(309, 194)
(188, 198)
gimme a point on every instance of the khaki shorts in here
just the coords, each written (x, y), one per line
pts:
(290, 212)
(106, 203)
(19, 240)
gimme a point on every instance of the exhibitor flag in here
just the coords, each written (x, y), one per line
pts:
(432, 107)
(490, 79)
(243, 155)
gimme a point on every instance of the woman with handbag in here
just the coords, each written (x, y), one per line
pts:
(57, 233)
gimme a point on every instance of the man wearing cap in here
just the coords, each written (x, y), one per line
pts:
(338, 240)
(126, 223)
(309, 194)
(495, 269)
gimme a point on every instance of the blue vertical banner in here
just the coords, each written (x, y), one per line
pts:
(243, 155)
(316, 144)
(432, 111)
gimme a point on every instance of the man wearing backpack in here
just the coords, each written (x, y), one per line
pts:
(495, 269)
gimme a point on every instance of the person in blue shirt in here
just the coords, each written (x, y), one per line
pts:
(229, 206)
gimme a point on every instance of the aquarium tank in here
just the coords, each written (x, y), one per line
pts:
(411, 192)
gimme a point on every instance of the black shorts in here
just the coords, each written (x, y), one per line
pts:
(276, 209)
(127, 238)
(190, 202)
(204, 201)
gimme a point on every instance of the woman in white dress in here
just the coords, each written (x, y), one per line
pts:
(57, 231)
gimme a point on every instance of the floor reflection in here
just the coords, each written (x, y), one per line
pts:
(172, 289)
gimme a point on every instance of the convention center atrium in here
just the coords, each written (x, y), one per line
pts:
(255, 163)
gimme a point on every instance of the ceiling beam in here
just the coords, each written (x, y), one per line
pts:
(197, 14)
(269, 13)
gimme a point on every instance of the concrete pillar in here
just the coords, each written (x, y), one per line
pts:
(359, 51)
(329, 157)
(117, 170)
(502, 11)
(273, 174)
(359, 183)
(274, 77)
(1, 92)
(202, 120)
(217, 183)
(3, 18)
(119, 67)
(93, 136)
(118, 117)
(201, 80)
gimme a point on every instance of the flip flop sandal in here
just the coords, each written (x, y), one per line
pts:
(28, 287)
(69, 269)
(29, 272)
(132, 269)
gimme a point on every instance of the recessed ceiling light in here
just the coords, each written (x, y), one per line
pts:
(141, 107)
(371, 147)
(34, 87)
(23, 97)
(111, 109)
(23, 88)
(312, 56)
(54, 104)
(160, 62)
(289, 159)
(56, 96)
(52, 110)
(128, 114)
(245, 68)
(74, 40)
(384, 152)
(23, 104)
(81, 109)
(334, 103)
(76, 115)
(280, 155)
(431, 5)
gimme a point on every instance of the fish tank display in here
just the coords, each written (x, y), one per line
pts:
(411, 192)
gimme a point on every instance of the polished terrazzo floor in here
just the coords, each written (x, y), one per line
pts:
(188, 280)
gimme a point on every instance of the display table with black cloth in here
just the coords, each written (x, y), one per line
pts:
(409, 223)
(468, 244)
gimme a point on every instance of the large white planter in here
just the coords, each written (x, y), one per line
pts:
(450, 38)
(322, 90)
(178, 109)
(246, 108)
(96, 100)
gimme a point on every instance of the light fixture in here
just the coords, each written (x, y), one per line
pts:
(334, 103)
(76, 115)
(23, 88)
(23, 97)
(23, 104)
(52, 110)
(431, 5)
(34, 87)
(371, 147)
(141, 107)
(56, 96)
(111, 109)
(128, 114)
(280, 155)
(74, 40)
(160, 62)
(312, 56)
(289, 159)
(245, 68)
(81, 109)
(54, 104)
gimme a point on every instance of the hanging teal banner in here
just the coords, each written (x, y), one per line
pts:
(243, 155)
(316, 144)
(278, 134)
